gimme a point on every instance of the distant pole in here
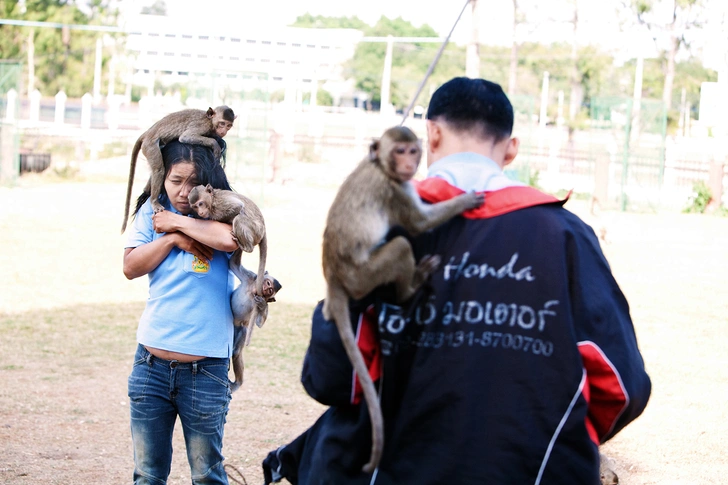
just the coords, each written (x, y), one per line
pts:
(97, 72)
(544, 100)
(681, 120)
(31, 63)
(385, 105)
(637, 95)
(472, 58)
(112, 75)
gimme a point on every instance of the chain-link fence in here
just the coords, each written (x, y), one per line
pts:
(630, 138)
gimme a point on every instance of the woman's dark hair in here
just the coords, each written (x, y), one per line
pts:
(473, 105)
(208, 171)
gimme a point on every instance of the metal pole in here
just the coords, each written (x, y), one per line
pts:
(432, 66)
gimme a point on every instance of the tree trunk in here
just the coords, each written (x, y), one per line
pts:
(670, 71)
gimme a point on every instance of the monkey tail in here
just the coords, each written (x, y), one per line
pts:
(338, 306)
(263, 249)
(132, 167)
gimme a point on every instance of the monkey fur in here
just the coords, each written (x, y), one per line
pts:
(245, 216)
(247, 310)
(194, 126)
(377, 195)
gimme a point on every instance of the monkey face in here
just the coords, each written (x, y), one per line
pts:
(199, 201)
(222, 127)
(271, 286)
(406, 158)
(201, 209)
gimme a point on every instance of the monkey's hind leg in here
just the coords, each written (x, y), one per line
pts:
(393, 262)
(242, 234)
(239, 342)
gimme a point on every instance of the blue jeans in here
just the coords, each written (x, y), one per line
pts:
(199, 393)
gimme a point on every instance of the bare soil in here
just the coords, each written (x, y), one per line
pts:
(68, 320)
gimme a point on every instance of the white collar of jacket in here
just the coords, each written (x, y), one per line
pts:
(470, 171)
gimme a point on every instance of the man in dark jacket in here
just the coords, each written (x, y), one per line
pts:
(512, 365)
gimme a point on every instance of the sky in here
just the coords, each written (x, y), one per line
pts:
(598, 19)
(496, 16)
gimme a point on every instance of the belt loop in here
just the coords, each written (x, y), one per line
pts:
(149, 358)
(194, 368)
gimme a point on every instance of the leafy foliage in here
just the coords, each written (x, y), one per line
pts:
(320, 22)
(700, 199)
(410, 61)
(63, 58)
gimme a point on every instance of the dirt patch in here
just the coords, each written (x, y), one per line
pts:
(69, 320)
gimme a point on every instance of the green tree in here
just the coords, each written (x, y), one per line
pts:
(159, 7)
(11, 37)
(685, 15)
(64, 58)
(320, 22)
(409, 60)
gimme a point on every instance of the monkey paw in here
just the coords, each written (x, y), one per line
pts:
(260, 303)
(425, 268)
(157, 206)
(476, 199)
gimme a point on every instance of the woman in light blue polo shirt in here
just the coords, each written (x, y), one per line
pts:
(185, 334)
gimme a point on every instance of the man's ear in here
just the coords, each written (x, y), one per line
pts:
(511, 151)
(434, 135)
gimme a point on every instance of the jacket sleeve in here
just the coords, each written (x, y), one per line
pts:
(618, 386)
(327, 374)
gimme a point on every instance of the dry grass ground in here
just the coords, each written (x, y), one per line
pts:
(68, 320)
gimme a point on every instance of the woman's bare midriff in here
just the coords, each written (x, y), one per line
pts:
(167, 355)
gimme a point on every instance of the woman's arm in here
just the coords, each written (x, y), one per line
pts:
(143, 259)
(216, 235)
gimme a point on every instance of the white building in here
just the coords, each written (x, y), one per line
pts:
(172, 50)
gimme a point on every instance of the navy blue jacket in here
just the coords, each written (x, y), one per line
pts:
(511, 367)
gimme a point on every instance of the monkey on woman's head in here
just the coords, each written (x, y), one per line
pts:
(376, 196)
(193, 126)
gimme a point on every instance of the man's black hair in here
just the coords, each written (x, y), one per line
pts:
(473, 105)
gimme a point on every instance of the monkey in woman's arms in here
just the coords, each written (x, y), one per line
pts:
(250, 300)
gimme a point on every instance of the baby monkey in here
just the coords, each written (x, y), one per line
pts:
(247, 220)
(376, 196)
(193, 126)
(245, 311)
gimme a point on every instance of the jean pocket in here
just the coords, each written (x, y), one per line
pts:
(138, 380)
(220, 379)
(212, 392)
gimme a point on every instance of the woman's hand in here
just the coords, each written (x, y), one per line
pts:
(166, 221)
(187, 244)
(210, 234)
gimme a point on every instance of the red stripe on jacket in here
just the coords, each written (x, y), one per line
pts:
(603, 391)
(497, 202)
(367, 339)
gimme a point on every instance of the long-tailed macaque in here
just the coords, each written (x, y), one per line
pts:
(193, 126)
(376, 196)
(246, 311)
(247, 220)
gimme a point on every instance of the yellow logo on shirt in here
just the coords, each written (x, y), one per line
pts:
(199, 265)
